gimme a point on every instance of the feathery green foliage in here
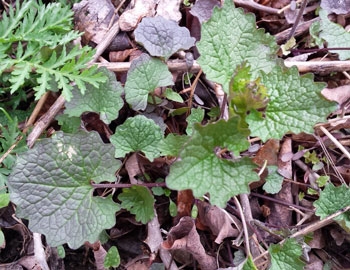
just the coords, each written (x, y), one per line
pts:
(35, 46)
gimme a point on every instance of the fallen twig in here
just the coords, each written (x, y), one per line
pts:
(311, 228)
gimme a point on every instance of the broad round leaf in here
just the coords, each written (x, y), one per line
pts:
(137, 134)
(295, 105)
(145, 75)
(50, 184)
(162, 37)
(104, 99)
(229, 38)
(201, 170)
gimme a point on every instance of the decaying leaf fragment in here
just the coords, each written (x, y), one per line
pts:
(219, 222)
(130, 18)
(185, 237)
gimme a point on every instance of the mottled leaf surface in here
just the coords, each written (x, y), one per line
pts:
(335, 35)
(229, 38)
(331, 200)
(104, 99)
(336, 6)
(274, 181)
(68, 124)
(162, 37)
(139, 201)
(287, 256)
(50, 185)
(196, 116)
(145, 75)
(295, 105)
(202, 170)
(137, 134)
(112, 258)
(172, 144)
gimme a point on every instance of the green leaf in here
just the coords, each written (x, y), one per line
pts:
(196, 116)
(2, 238)
(295, 105)
(172, 208)
(229, 38)
(112, 258)
(145, 75)
(4, 199)
(42, 34)
(172, 144)
(172, 95)
(286, 257)
(249, 264)
(314, 32)
(61, 252)
(162, 37)
(104, 99)
(9, 137)
(50, 185)
(331, 200)
(201, 170)
(68, 124)
(335, 35)
(139, 201)
(322, 180)
(274, 181)
(194, 211)
(137, 134)
(245, 94)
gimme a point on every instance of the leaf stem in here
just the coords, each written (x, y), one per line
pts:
(119, 185)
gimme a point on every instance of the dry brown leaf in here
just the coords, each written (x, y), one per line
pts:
(339, 94)
(120, 56)
(269, 152)
(185, 200)
(169, 9)
(318, 240)
(130, 18)
(93, 17)
(281, 215)
(315, 263)
(218, 221)
(133, 168)
(185, 237)
(139, 265)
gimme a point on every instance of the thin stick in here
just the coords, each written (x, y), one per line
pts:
(311, 228)
(36, 111)
(119, 185)
(319, 66)
(297, 20)
(39, 252)
(244, 223)
(193, 87)
(281, 202)
(301, 29)
(287, 7)
(30, 122)
(44, 121)
(100, 48)
(256, 6)
(115, 13)
(310, 66)
(336, 142)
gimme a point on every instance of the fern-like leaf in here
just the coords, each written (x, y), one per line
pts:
(46, 31)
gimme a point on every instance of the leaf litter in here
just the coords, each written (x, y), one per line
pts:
(147, 173)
